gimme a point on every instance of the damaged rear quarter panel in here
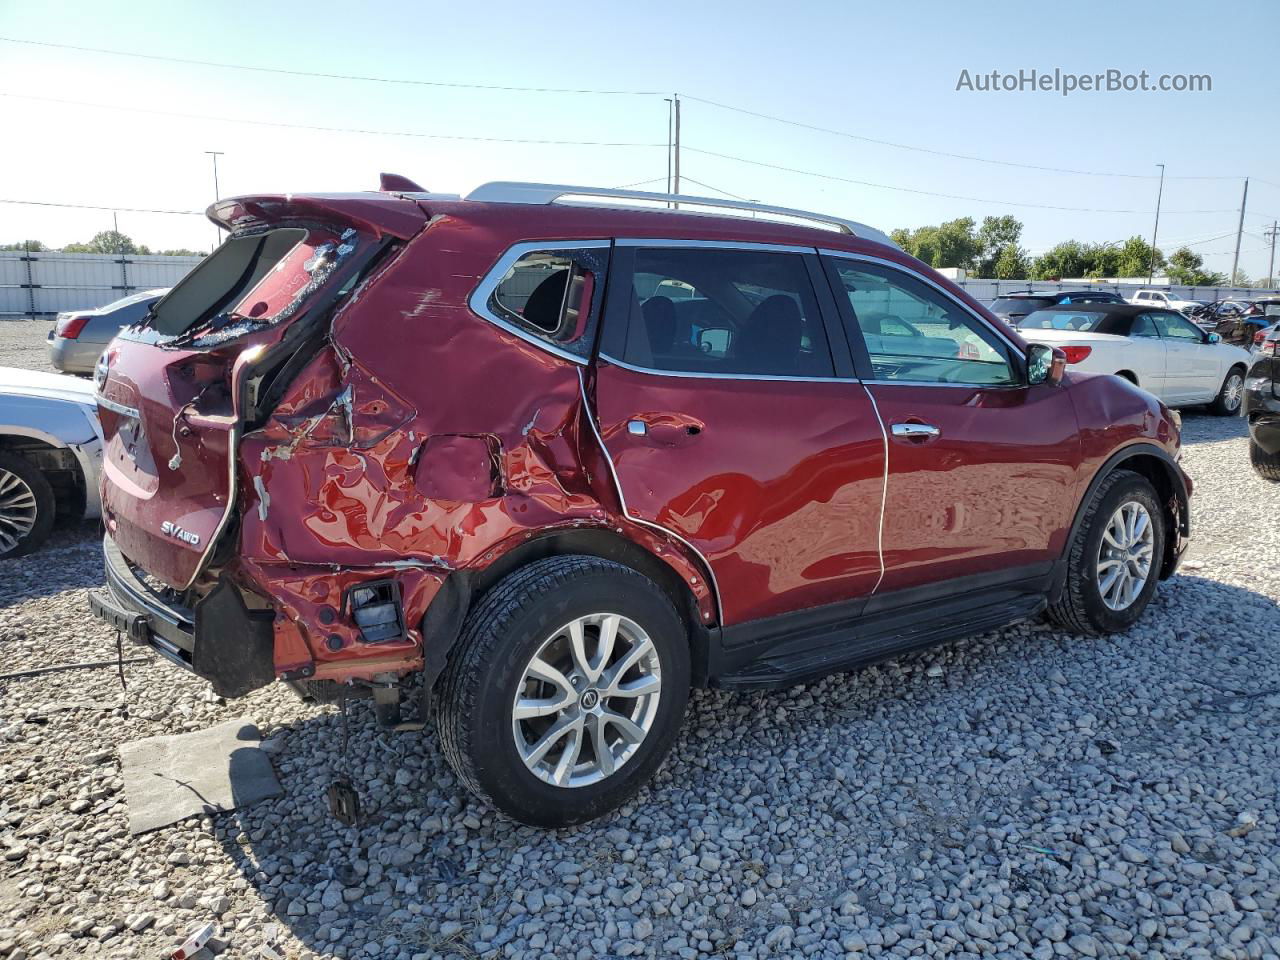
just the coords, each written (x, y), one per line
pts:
(423, 440)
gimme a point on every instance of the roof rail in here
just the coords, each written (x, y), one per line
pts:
(546, 193)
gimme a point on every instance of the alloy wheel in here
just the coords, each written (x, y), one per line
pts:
(1233, 391)
(586, 700)
(1125, 555)
(18, 510)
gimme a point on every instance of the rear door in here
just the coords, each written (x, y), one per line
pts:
(727, 404)
(982, 467)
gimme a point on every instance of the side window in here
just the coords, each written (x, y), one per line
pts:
(705, 310)
(1144, 326)
(551, 294)
(913, 333)
(1174, 327)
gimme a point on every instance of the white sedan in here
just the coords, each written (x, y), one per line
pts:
(1160, 350)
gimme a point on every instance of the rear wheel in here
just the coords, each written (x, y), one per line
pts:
(566, 690)
(1227, 403)
(1114, 560)
(27, 506)
(1266, 465)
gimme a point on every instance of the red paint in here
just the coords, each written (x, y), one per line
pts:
(421, 439)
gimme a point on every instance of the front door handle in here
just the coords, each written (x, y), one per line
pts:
(915, 431)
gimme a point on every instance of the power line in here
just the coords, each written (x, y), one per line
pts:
(327, 76)
(928, 193)
(325, 129)
(90, 206)
(937, 153)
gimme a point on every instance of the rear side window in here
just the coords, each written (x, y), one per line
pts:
(551, 295)
(1081, 320)
(713, 311)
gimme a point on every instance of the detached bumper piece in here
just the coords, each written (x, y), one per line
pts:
(221, 639)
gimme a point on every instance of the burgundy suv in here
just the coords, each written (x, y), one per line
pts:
(566, 461)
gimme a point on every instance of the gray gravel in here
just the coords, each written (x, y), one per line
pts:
(1023, 793)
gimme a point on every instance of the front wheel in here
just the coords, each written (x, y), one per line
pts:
(1266, 465)
(566, 690)
(1114, 559)
(1227, 403)
(27, 506)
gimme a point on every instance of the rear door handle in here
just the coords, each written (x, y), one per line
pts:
(915, 431)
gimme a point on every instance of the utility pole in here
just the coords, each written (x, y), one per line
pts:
(675, 186)
(215, 154)
(1235, 261)
(670, 108)
(1151, 267)
(1271, 267)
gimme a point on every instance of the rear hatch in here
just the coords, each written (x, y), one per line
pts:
(176, 390)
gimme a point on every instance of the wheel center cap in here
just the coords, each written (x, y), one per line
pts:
(590, 699)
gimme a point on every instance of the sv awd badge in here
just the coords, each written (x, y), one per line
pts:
(171, 529)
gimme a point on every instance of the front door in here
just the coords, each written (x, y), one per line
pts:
(733, 421)
(982, 467)
(1191, 370)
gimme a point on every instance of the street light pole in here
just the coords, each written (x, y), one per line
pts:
(1151, 267)
(215, 154)
(1244, 202)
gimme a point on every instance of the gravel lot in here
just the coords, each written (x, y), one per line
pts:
(1026, 792)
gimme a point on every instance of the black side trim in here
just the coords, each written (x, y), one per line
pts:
(441, 627)
(812, 643)
(235, 647)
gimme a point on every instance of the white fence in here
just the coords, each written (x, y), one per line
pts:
(42, 284)
(988, 290)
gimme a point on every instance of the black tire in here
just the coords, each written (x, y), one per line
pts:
(499, 639)
(17, 471)
(1266, 465)
(1227, 403)
(1081, 608)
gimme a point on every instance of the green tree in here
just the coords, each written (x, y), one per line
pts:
(1011, 263)
(1067, 259)
(35, 246)
(179, 252)
(108, 241)
(951, 244)
(1186, 268)
(1135, 259)
(1241, 279)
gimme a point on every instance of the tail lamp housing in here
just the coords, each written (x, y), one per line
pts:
(1076, 354)
(68, 328)
(376, 608)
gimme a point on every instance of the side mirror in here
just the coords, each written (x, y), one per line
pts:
(1213, 338)
(1045, 364)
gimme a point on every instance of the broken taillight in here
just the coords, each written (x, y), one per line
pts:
(1076, 354)
(375, 607)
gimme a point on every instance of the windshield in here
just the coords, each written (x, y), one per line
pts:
(1083, 320)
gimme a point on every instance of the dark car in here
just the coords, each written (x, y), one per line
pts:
(1012, 307)
(550, 464)
(1262, 407)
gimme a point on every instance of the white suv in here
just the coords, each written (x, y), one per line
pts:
(1162, 298)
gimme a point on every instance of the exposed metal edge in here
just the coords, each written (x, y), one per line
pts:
(119, 408)
(233, 452)
(693, 375)
(622, 500)
(479, 299)
(884, 488)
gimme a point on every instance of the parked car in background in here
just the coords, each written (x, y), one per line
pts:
(385, 434)
(1261, 336)
(1242, 329)
(50, 455)
(1163, 298)
(1013, 307)
(1159, 350)
(1262, 406)
(79, 336)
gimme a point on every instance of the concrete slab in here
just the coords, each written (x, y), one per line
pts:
(167, 779)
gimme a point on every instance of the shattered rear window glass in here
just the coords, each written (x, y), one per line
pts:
(252, 282)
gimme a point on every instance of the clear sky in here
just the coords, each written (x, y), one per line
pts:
(882, 71)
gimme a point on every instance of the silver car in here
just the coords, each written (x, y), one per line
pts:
(50, 455)
(79, 336)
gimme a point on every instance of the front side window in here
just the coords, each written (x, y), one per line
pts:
(1175, 327)
(553, 295)
(714, 311)
(912, 333)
